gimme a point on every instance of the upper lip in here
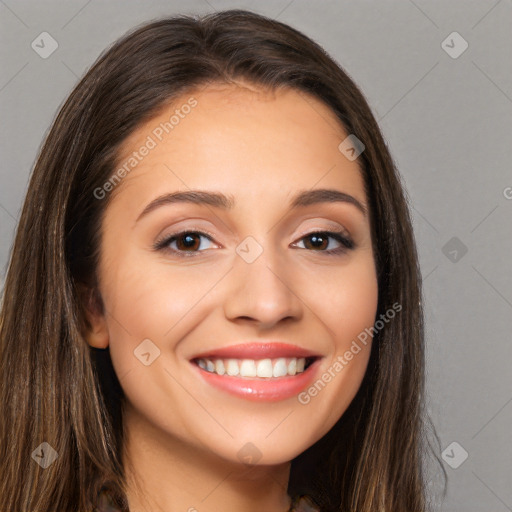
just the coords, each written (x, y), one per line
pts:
(256, 350)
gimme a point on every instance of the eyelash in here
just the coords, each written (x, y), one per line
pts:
(346, 243)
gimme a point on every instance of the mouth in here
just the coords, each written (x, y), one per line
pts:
(257, 371)
(267, 368)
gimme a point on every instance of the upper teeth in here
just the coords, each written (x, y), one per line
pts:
(254, 368)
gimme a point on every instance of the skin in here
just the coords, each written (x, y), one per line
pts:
(261, 148)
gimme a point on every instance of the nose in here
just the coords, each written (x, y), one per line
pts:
(262, 292)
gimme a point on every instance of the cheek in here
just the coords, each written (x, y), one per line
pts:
(155, 301)
(344, 299)
(356, 307)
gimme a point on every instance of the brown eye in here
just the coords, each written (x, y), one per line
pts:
(187, 243)
(319, 241)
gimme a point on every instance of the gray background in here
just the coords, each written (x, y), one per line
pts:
(448, 123)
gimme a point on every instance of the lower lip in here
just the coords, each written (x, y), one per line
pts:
(262, 390)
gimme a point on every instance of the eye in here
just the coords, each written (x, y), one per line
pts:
(190, 242)
(319, 240)
(186, 242)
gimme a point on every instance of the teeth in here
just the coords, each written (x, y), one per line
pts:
(232, 367)
(263, 368)
(280, 368)
(219, 367)
(248, 368)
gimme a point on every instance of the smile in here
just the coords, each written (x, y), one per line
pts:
(258, 371)
(262, 368)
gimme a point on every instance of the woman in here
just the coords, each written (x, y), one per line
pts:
(281, 367)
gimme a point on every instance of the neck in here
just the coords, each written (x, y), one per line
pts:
(166, 475)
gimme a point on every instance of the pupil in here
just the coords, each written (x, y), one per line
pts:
(189, 240)
(317, 239)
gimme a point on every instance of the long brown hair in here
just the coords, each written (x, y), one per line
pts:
(56, 389)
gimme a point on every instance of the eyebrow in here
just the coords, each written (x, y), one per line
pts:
(219, 200)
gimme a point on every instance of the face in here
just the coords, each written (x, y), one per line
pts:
(289, 282)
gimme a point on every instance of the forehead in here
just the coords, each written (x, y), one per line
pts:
(238, 135)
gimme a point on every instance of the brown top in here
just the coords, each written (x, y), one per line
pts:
(109, 501)
(304, 503)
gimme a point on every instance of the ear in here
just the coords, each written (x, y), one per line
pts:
(95, 325)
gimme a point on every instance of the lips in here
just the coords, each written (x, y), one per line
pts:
(256, 350)
(281, 370)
